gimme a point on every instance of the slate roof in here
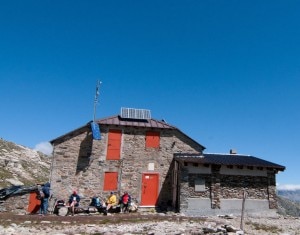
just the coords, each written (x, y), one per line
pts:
(228, 159)
(118, 121)
(144, 123)
(151, 123)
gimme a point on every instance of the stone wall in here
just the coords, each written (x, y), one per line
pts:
(74, 167)
(80, 162)
(219, 187)
(16, 204)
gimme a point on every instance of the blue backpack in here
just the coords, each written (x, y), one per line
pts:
(95, 202)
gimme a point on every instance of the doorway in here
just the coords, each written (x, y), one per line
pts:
(149, 190)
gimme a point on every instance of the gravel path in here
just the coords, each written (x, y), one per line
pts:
(156, 224)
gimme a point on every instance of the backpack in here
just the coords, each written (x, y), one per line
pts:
(95, 202)
(60, 203)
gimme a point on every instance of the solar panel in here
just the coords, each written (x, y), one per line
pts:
(132, 113)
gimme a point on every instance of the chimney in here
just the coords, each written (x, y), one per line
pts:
(233, 151)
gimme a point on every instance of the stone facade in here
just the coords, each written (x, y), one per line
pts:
(79, 162)
(259, 187)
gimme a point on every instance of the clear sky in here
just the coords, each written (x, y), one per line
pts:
(227, 73)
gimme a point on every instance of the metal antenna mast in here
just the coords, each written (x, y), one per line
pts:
(96, 98)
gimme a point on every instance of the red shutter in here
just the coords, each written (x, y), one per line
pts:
(114, 145)
(152, 139)
(110, 181)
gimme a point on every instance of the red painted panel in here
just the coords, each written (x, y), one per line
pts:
(149, 189)
(110, 181)
(152, 139)
(34, 203)
(114, 145)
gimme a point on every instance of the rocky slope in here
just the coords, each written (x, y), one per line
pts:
(288, 207)
(20, 165)
(293, 195)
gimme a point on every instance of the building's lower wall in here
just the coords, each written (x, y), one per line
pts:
(202, 207)
(205, 193)
(16, 204)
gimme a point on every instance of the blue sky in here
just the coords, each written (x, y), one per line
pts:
(224, 72)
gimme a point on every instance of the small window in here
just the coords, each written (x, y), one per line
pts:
(200, 185)
(110, 181)
(152, 139)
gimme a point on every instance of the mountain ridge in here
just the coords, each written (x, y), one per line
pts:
(21, 165)
(293, 195)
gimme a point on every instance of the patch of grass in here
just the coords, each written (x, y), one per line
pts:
(152, 210)
(5, 174)
(266, 228)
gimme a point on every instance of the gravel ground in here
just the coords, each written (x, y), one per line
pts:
(144, 224)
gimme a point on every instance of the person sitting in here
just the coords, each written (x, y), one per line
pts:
(74, 201)
(111, 201)
(124, 202)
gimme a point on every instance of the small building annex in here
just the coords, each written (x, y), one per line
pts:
(160, 166)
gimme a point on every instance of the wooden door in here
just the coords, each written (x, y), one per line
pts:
(114, 145)
(149, 189)
(34, 203)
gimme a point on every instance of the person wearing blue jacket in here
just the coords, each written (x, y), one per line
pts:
(44, 194)
(74, 201)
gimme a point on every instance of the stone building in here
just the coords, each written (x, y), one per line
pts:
(219, 183)
(148, 158)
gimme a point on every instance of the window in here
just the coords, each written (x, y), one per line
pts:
(110, 181)
(152, 139)
(114, 145)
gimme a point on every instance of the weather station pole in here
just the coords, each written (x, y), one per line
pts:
(94, 125)
(96, 100)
